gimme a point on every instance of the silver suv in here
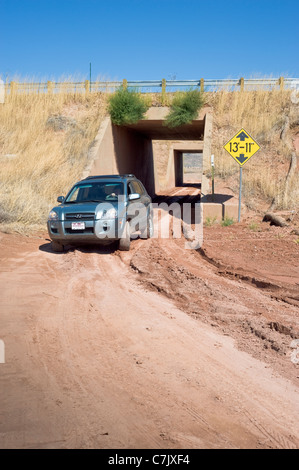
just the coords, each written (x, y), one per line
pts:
(101, 209)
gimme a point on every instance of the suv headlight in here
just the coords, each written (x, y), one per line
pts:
(53, 215)
(107, 214)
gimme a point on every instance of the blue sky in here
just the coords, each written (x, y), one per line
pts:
(148, 39)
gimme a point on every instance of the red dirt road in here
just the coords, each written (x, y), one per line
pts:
(160, 347)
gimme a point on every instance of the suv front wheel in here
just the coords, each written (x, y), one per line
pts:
(125, 241)
(149, 230)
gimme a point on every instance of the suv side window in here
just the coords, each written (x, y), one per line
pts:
(142, 188)
(137, 188)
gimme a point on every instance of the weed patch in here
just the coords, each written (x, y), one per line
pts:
(184, 108)
(126, 107)
(227, 221)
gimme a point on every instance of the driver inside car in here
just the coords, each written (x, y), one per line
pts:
(112, 192)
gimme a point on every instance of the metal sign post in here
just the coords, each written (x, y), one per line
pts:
(241, 147)
(240, 195)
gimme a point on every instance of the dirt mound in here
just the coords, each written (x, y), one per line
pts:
(244, 290)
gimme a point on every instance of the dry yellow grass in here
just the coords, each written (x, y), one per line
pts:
(39, 161)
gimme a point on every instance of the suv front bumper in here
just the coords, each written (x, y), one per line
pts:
(95, 231)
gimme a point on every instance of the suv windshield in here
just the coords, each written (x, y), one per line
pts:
(95, 192)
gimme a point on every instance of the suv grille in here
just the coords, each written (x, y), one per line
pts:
(78, 232)
(77, 216)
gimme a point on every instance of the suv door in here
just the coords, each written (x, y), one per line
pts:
(141, 206)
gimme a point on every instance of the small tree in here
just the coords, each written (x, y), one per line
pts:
(184, 108)
(126, 106)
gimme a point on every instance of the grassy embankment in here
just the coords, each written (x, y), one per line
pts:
(44, 141)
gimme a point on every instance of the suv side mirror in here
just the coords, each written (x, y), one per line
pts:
(134, 196)
(60, 199)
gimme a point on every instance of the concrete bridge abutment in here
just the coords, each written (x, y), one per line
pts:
(151, 151)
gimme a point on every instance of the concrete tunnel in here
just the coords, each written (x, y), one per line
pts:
(152, 151)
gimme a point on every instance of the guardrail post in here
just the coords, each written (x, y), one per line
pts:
(87, 88)
(242, 84)
(163, 90)
(125, 84)
(281, 83)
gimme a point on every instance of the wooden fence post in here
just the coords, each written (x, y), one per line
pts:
(125, 84)
(163, 90)
(242, 84)
(202, 84)
(281, 83)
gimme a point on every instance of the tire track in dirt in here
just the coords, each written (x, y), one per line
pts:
(98, 361)
(81, 290)
(272, 438)
(262, 325)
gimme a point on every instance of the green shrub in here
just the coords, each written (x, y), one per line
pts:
(227, 221)
(184, 108)
(126, 106)
(210, 221)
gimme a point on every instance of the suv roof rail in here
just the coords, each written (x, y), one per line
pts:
(109, 176)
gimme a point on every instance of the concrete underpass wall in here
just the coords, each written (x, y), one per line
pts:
(118, 150)
(101, 159)
(134, 154)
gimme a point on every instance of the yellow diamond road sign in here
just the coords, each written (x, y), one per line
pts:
(241, 147)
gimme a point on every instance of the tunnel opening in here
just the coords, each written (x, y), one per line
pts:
(188, 168)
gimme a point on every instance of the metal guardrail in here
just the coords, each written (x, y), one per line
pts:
(152, 86)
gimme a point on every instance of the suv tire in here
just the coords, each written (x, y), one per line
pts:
(149, 231)
(125, 241)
